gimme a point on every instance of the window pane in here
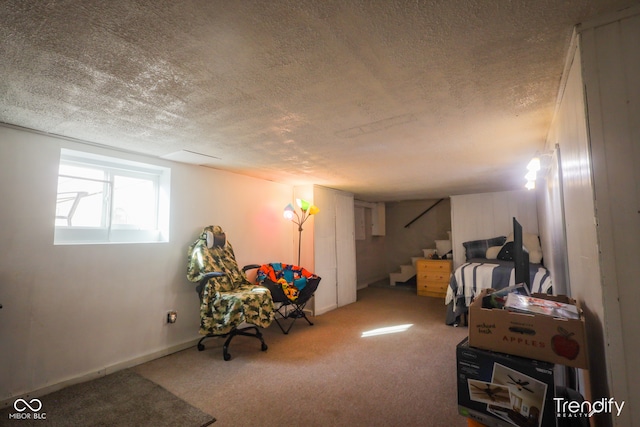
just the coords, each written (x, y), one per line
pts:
(81, 172)
(80, 202)
(104, 199)
(134, 203)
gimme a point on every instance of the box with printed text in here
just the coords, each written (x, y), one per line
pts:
(502, 390)
(532, 335)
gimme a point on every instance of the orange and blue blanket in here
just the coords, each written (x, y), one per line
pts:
(292, 278)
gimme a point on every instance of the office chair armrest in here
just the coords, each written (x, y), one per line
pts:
(250, 267)
(211, 274)
(205, 279)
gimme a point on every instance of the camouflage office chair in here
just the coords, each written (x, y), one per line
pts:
(227, 298)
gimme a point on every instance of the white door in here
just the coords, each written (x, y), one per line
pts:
(345, 249)
(324, 248)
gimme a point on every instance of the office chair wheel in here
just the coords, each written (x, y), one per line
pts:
(200, 347)
(264, 347)
(226, 357)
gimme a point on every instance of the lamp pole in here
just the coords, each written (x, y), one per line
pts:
(299, 221)
(306, 210)
(299, 241)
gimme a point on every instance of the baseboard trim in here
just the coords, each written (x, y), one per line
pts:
(363, 285)
(100, 373)
(327, 309)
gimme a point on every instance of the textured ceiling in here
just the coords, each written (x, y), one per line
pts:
(390, 100)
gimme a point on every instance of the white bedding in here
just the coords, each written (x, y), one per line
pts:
(472, 277)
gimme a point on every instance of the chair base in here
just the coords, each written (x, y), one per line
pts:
(238, 331)
(295, 314)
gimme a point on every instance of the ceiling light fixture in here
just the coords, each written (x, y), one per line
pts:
(534, 164)
(533, 167)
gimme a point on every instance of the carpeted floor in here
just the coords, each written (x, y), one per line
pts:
(409, 285)
(328, 374)
(120, 399)
(322, 375)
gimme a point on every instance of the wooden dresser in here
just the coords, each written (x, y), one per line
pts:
(432, 277)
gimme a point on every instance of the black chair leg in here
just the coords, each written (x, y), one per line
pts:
(295, 314)
(225, 348)
(282, 316)
(249, 331)
(307, 319)
(246, 332)
(200, 345)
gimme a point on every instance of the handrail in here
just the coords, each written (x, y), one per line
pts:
(423, 213)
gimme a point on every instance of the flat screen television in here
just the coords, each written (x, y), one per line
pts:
(520, 256)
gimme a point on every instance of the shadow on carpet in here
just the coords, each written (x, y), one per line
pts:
(123, 398)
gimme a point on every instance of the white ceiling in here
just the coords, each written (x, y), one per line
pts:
(390, 99)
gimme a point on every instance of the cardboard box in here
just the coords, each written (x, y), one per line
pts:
(502, 390)
(535, 336)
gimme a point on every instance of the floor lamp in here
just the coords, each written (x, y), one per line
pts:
(306, 210)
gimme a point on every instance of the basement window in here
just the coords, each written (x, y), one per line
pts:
(109, 200)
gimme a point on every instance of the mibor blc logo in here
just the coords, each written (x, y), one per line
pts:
(28, 410)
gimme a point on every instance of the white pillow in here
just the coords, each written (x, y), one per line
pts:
(532, 243)
(535, 257)
(492, 252)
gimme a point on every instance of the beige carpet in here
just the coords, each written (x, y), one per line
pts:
(327, 374)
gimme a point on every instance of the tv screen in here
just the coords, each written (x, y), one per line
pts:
(520, 256)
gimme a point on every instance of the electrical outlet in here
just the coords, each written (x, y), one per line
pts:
(172, 316)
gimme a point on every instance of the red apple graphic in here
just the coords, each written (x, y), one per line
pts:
(563, 345)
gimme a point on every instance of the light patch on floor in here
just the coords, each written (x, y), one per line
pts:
(387, 330)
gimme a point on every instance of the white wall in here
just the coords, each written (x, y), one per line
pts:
(488, 215)
(74, 312)
(551, 221)
(328, 246)
(611, 66)
(597, 127)
(569, 132)
(402, 243)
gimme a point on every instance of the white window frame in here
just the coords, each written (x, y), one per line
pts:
(114, 233)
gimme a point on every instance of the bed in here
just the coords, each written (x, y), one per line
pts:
(489, 265)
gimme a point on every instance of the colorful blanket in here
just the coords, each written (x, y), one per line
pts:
(292, 278)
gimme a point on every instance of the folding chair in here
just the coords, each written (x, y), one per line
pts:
(291, 288)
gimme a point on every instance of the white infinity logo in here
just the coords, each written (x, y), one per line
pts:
(26, 405)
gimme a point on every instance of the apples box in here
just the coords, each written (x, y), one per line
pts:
(536, 336)
(503, 390)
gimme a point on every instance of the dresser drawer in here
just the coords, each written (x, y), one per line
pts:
(434, 287)
(432, 290)
(433, 276)
(433, 265)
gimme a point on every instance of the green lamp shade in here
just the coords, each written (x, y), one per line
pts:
(304, 205)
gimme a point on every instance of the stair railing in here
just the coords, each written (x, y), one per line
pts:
(423, 213)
